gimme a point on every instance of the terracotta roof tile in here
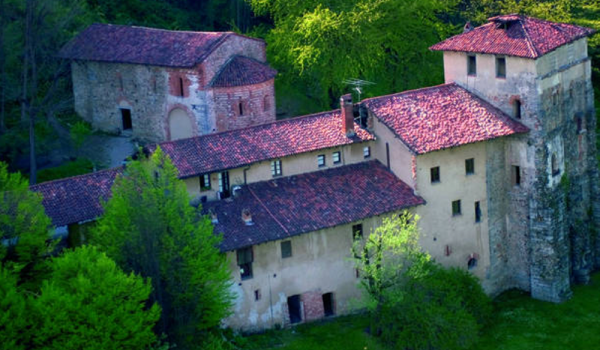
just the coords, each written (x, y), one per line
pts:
(524, 37)
(140, 45)
(78, 198)
(240, 71)
(236, 148)
(309, 202)
(442, 116)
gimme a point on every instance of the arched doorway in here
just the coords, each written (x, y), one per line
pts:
(180, 126)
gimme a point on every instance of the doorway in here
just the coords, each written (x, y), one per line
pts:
(328, 304)
(294, 308)
(126, 119)
(224, 184)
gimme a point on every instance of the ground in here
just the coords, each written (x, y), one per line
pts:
(519, 322)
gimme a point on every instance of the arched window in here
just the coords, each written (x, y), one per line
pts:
(555, 169)
(266, 103)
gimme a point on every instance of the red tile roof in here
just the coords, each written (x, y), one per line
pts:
(309, 202)
(241, 70)
(524, 37)
(140, 45)
(236, 148)
(442, 116)
(75, 199)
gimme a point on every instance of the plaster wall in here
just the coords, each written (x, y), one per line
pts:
(401, 158)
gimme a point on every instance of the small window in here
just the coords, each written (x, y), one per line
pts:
(205, 182)
(266, 104)
(435, 174)
(472, 263)
(477, 212)
(500, 67)
(244, 261)
(456, 208)
(276, 168)
(357, 231)
(240, 108)
(257, 295)
(471, 65)
(321, 160)
(470, 166)
(336, 156)
(579, 121)
(555, 168)
(516, 175)
(126, 119)
(181, 87)
(517, 109)
(286, 249)
(367, 152)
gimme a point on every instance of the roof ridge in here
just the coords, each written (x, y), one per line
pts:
(532, 48)
(78, 176)
(410, 91)
(160, 29)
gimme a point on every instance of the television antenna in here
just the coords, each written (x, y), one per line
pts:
(358, 84)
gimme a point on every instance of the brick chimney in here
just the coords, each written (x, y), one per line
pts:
(347, 115)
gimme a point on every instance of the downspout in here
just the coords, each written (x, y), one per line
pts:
(246, 169)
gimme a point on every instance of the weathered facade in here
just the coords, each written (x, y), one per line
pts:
(169, 85)
(499, 162)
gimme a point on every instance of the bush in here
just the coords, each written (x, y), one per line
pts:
(76, 167)
(79, 132)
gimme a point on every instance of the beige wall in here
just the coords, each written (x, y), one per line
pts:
(320, 263)
(439, 228)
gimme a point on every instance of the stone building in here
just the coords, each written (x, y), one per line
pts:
(159, 85)
(499, 162)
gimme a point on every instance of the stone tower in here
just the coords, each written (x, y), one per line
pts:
(543, 214)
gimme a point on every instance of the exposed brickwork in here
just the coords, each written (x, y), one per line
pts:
(241, 70)
(313, 306)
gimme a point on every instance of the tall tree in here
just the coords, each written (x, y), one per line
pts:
(150, 228)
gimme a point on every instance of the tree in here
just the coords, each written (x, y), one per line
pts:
(14, 318)
(24, 227)
(89, 302)
(414, 302)
(149, 227)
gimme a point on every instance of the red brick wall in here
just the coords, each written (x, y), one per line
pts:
(252, 98)
(313, 306)
(174, 86)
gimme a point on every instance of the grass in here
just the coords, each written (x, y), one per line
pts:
(519, 322)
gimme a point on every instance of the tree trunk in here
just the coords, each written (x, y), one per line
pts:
(27, 108)
(2, 71)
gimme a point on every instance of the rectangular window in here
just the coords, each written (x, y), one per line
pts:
(367, 152)
(456, 208)
(357, 231)
(516, 175)
(470, 166)
(205, 182)
(435, 174)
(257, 295)
(500, 67)
(286, 249)
(224, 184)
(244, 261)
(276, 168)
(336, 156)
(477, 212)
(471, 65)
(517, 109)
(321, 160)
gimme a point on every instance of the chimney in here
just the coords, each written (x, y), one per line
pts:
(468, 27)
(347, 115)
(247, 217)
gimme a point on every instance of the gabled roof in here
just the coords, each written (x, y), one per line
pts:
(241, 70)
(514, 35)
(442, 116)
(290, 206)
(236, 148)
(76, 199)
(141, 45)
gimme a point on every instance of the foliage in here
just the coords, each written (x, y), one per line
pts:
(150, 228)
(14, 318)
(24, 226)
(76, 167)
(414, 302)
(79, 132)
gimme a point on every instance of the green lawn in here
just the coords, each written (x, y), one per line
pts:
(519, 322)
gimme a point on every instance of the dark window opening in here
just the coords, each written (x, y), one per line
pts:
(321, 160)
(181, 87)
(126, 119)
(357, 231)
(336, 156)
(435, 174)
(241, 108)
(276, 168)
(244, 261)
(286, 249)
(205, 182)
(472, 263)
(500, 67)
(266, 104)
(517, 109)
(456, 208)
(328, 305)
(120, 82)
(555, 169)
(257, 295)
(470, 166)
(471, 65)
(294, 308)
(387, 154)
(579, 121)
(516, 175)
(224, 184)
(477, 212)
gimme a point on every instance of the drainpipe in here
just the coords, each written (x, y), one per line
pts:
(246, 169)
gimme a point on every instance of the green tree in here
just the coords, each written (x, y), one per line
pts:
(14, 318)
(24, 227)
(414, 302)
(149, 227)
